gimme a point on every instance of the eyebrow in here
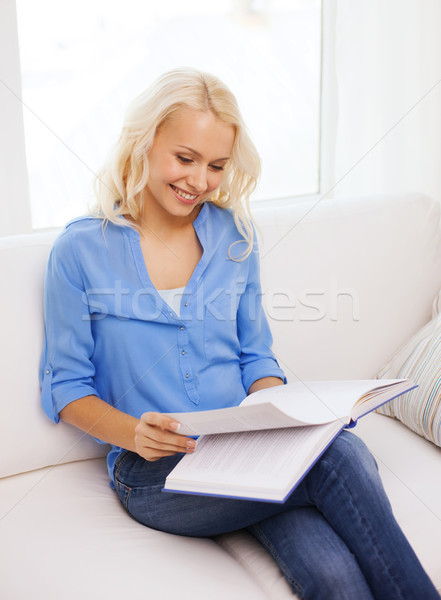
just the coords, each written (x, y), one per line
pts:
(196, 153)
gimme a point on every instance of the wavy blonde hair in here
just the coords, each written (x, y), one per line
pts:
(124, 175)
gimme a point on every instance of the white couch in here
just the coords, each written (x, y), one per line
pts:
(345, 283)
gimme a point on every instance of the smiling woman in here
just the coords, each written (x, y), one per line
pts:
(174, 192)
(179, 146)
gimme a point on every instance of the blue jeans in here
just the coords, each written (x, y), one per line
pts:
(335, 537)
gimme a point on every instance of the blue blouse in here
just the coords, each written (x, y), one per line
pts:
(110, 334)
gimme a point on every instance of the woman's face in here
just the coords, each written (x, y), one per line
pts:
(186, 161)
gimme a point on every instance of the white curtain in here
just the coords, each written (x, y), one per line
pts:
(388, 69)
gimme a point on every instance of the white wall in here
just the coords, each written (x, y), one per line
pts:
(388, 64)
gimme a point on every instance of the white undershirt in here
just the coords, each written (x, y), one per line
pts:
(173, 298)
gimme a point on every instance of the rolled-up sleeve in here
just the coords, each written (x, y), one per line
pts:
(257, 359)
(66, 371)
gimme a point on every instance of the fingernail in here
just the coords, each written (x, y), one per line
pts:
(175, 426)
(191, 445)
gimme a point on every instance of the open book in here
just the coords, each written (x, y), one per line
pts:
(263, 448)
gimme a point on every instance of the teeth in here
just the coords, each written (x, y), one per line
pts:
(184, 194)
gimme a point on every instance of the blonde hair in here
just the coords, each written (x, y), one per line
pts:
(123, 177)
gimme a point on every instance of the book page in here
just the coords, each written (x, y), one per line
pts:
(292, 405)
(261, 459)
(251, 417)
(310, 401)
(388, 390)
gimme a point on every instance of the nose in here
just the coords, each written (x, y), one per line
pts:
(197, 179)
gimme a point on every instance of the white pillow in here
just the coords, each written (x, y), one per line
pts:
(419, 359)
(29, 439)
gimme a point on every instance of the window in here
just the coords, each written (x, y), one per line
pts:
(83, 62)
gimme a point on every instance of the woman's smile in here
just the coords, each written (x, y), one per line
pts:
(183, 195)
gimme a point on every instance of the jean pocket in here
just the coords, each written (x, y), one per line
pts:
(122, 489)
(220, 329)
(123, 492)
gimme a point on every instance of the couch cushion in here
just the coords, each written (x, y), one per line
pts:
(65, 535)
(254, 558)
(28, 438)
(343, 280)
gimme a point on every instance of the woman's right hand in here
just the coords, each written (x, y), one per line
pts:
(155, 437)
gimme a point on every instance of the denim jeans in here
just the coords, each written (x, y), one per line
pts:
(335, 537)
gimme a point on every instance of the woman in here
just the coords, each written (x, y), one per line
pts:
(152, 305)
